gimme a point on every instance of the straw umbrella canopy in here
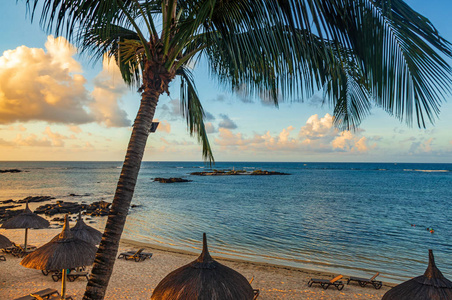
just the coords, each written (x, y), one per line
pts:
(203, 278)
(27, 219)
(85, 232)
(430, 286)
(4, 242)
(65, 252)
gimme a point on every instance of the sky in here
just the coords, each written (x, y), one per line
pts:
(56, 105)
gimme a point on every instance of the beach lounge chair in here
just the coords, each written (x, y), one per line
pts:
(47, 294)
(137, 256)
(74, 275)
(325, 283)
(2, 257)
(364, 281)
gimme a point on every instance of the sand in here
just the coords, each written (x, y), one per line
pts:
(132, 280)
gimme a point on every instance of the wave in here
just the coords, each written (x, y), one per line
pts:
(426, 171)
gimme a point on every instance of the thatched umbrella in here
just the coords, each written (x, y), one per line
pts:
(27, 219)
(203, 278)
(63, 253)
(430, 286)
(4, 242)
(85, 232)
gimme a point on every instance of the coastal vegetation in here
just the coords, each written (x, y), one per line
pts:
(361, 53)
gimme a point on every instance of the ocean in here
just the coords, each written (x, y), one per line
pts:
(349, 218)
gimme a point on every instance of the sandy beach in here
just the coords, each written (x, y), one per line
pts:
(131, 280)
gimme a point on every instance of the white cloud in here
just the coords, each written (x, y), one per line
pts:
(317, 135)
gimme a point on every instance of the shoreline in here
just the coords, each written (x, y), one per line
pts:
(131, 280)
(194, 255)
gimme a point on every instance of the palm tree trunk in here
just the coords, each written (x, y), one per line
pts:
(108, 249)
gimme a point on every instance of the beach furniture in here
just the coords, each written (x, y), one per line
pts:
(43, 294)
(2, 257)
(364, 281)
(71, 276)
(19, 250)
(27, 219)
(63, 253)
(325, 283)
(137, 256)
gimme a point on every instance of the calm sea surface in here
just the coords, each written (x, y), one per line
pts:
(350, 218)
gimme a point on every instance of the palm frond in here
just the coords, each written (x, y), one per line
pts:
(118, 42)
(193, 112)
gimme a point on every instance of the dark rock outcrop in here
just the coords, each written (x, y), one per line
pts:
(236, 172)
(35, 199)
(171, 180)
(10, 171)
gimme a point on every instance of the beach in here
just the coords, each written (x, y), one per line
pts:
(132, 280)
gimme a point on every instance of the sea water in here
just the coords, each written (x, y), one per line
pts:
(348, 218)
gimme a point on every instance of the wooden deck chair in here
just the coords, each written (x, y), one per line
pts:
(325, 283)
(130, 255)
(50, 294)
(364, 281)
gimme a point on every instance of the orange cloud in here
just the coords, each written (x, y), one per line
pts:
(39, 85)
(108, 89)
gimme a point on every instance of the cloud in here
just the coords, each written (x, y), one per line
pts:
(317, 135)
(75, 129)
(18, 128)
(347, 142)
(164, 126)
(32, 141)
(208, 116)
(47, 85)
(39, 85)
(108, 89)
(4, 143)
(210, 128)
(422, 146)
(56, 138)
(227, 122)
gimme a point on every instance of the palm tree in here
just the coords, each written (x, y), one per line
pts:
(361, 53)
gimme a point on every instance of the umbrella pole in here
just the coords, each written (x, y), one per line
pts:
(26, 236)
(63, 285)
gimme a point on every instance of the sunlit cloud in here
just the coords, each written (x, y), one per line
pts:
(317, 135)
(32, 141)
(75, 129)
(47, 85)
(56, 138)
(40, 85)
(164, 126)
(17, 128)
(108, 89)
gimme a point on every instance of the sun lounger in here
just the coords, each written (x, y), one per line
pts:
(364, 281)
(325, 283)
(2, 257)
(46, 294)
(19, 250)
(74, 275)
(137, 256)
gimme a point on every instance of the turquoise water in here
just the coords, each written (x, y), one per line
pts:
(350, 218)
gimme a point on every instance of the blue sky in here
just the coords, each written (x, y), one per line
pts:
(94, 112)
